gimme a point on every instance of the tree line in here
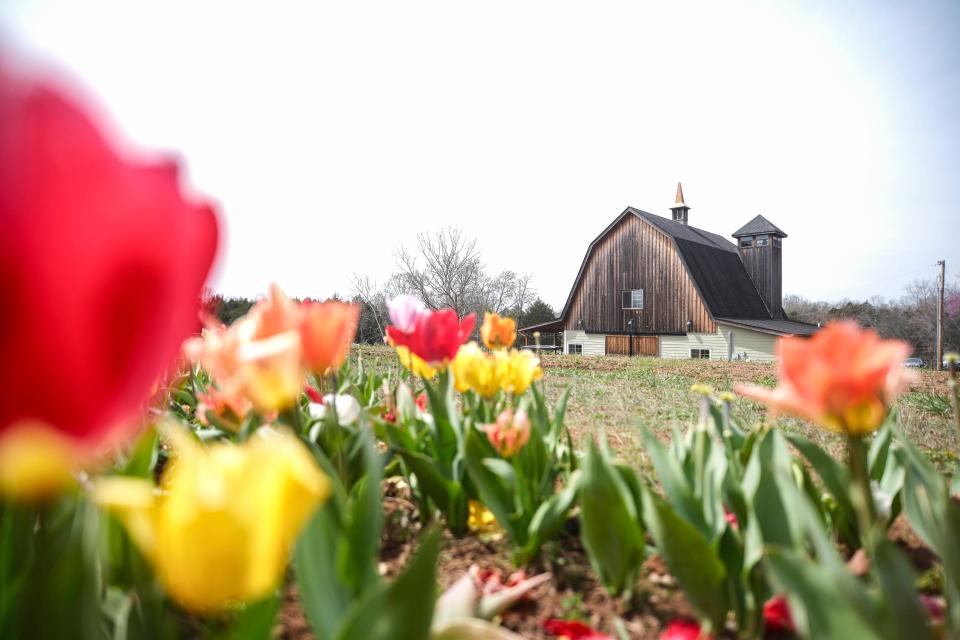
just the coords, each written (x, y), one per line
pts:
(911, 317)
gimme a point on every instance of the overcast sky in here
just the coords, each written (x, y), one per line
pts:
(332, 133)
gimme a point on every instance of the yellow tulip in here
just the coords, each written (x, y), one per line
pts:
(37, 462)
(483, 372)
(523, 369)
(220, 530)
(415, 364)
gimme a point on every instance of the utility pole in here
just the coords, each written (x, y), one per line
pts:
(943, 265)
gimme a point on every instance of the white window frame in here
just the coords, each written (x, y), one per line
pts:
(700, 355)
(634, 294)
(572, 352)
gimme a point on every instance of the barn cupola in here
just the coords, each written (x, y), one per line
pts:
(760, 244)
(680, 209)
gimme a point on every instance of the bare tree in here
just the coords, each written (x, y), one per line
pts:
(373, 298)
(452, 272)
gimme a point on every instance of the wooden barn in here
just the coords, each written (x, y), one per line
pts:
(655, 286)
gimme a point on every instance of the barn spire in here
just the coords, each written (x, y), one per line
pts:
(680, 209)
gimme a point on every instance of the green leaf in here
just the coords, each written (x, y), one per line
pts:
(897, 580)
(365, 522)
(403, 609)
(691, 558)
(324, 595)
(762, 483)
(834, 475)
(818, 607)
(610, 527)
(255, 621)
(546, 522)
(674, 481)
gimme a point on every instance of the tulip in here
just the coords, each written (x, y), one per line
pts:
(326, 331)
(259, 355)
(347, 407)
(684, 630)
(404, 311)
(422, 401)
(220, 532)
(435, 337)
(102, 260)
(844, 378)
(524, 368)
(509, 433)
(415, 364)
(227, 410)
(475, 369)
(481, 519)
(572, 630)
(776, 615)
(497, 332)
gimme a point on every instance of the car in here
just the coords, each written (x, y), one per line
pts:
(914, 363)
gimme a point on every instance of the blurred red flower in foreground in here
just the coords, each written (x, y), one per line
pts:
(684, 630)
(843, 378)
(436, 336)
(776, 615)
(101, 265)
(572, 630)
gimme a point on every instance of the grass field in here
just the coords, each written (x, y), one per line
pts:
(614, 396)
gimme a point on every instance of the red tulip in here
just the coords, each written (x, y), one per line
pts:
(101, 264)
(436, 335)
(572, 630)
(422, 401)
(683, 630)
(776, 615)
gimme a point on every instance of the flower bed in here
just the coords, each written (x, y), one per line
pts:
(266, 476)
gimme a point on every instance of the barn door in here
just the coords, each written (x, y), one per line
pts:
(642, 346)
(646, 346)
(618, 346)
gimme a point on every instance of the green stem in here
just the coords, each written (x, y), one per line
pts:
(863, 496)
(954, 386)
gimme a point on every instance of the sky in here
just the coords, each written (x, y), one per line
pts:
(330, 134)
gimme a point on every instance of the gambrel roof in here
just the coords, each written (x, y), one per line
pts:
(712, 262)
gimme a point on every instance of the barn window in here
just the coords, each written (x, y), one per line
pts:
(776, 241)
(575, 349)
(700, 354)
(762, 241)
(746, 241)
(633, 299)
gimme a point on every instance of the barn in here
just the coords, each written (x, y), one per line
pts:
(656, 286)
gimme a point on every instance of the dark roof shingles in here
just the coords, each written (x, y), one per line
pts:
(758, 225)
(789, 327)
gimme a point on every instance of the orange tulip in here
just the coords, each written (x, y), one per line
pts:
(326, 331)
(509, 433)
(259, 356)
(497, 332)
(843, 378)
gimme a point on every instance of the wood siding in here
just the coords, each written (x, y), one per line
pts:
(635, 255)
(765, 267)
(642, 345)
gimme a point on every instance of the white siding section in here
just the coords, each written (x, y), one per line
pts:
(679, 346)
(756, 346)
(594, 344)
